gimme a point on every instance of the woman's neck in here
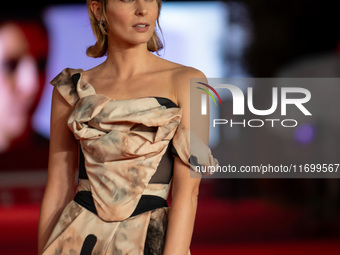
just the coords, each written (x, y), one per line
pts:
(124, 63)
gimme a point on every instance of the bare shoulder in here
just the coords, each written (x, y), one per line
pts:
(181, 80)
(176, 77)
(183, 74)
(189, 100)
(178, 71)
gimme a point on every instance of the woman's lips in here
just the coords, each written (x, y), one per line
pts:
(141, 27)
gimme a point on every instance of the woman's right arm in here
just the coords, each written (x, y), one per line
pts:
(62, 165)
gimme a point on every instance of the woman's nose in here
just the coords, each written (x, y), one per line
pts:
(141, 9)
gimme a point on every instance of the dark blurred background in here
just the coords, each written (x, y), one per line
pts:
(262, 38)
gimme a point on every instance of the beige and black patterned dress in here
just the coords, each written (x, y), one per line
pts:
(126, 161)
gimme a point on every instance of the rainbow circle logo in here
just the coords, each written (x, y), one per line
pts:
(208, 92)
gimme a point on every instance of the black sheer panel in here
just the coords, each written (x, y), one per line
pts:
(164, 170)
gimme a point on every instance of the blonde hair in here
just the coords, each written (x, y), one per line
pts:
(99, 49)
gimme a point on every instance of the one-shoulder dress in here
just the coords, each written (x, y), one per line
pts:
(126, 157)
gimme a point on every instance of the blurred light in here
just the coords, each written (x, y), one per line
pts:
(305, 134)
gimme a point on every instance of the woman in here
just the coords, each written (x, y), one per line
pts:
(129, 115)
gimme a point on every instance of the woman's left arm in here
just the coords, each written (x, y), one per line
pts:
(185, 188)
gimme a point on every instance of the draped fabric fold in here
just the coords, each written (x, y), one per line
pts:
(123, 143)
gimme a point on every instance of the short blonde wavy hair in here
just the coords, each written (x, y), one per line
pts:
(99, 49)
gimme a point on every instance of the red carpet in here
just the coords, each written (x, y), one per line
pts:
(317, 247)
(244, 228)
